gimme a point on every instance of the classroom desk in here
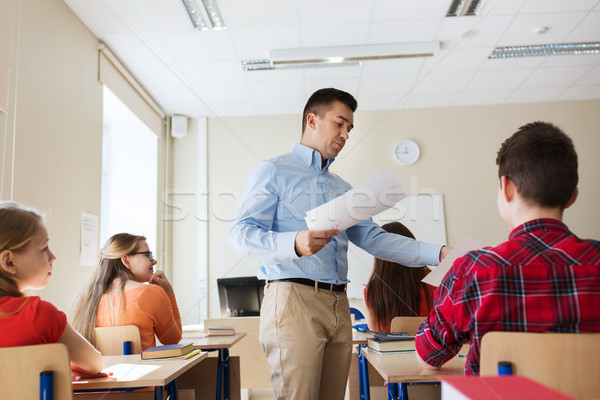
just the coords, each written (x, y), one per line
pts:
(222, 344)
(132, 372)
(404, 368)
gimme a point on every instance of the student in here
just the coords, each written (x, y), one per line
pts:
(543, 279)
(26, 264)
(396, 290)
(305, 328)
(118, 294)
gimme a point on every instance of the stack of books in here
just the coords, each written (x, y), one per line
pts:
(388, 342)
(167, 351)
(220, 331)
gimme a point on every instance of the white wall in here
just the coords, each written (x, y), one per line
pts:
(58, 132)
(458, 150)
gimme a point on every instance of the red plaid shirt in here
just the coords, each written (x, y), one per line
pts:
(544, 279)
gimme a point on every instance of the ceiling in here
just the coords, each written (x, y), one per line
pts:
(197, 73)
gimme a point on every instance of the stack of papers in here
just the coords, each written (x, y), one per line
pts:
(377, 194)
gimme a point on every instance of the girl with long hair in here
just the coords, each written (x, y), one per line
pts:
(395, 290)
(118, 294)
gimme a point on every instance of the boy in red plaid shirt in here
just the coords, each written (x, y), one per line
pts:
(543, 279)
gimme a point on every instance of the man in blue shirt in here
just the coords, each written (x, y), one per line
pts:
(305, 327)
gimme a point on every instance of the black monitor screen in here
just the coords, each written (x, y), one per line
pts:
(240, 297)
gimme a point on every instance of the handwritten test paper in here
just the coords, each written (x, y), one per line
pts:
(379, 193)
(88, 255)
(435, 277)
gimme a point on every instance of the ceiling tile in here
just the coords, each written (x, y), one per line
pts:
(591, 78)
(353, 71)
(280, 107)
(242, 14)
(521, 30)
(198, 45)
(401, 66)
(498, 79)
(405, 31)
(588, 30)
(450, 61)
(554, 77)
(442, 82)
(213, 71)
(347, 85)
(501, 7)
(370, 103)
(581, 93)
(256, 43)
(387, 86)
(318, 12)
(556, 6)
(274, 75)
(158, 73)
(386, 10)
(535, 95)
(97, 17)
(511, 63)
(566, 61)
(276, 91)
(484, 97)
(476, 32)
(334, 35)
(141, 49)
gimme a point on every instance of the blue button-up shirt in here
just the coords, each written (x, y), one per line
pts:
(277, 196)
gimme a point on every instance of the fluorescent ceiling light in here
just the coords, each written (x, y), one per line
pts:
(541, 50)
(460, 8)
(338, 54)
(205, 14)
(267, 65)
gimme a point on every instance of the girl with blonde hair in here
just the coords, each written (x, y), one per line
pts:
(118, 294)
(26, 264)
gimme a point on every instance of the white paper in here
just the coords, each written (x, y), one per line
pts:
(379, 193)
(435, 277)
(89, 240)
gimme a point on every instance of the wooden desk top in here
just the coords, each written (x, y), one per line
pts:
(214, 342)
(404, 367)
(360, 337)
(132, 371)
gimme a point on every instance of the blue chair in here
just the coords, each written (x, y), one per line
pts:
(358, 315)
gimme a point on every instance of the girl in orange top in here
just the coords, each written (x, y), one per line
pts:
(26, 264)
(118, 294)
(395, 290)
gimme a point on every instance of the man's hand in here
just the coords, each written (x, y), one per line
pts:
(311, 242)
(444, 252)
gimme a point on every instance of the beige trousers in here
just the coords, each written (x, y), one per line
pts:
(306, 335)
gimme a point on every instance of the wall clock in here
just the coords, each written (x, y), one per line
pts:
(407, 152)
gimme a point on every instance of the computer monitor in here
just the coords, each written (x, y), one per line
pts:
(240, 297)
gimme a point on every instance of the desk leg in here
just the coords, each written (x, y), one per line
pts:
(403, 391)
(172, 389)
(223, 376)
(158, 392)
(363, 375)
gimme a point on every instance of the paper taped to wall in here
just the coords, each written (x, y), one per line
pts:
(379, 193)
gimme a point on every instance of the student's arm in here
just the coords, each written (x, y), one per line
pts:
(252, 234)
(84, 357)
(165, 313)
(423, 363)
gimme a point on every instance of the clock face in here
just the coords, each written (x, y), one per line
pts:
(407, 152)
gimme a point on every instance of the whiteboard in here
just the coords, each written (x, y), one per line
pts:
(423, 214)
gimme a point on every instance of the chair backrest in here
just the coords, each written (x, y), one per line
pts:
(255, 371)
(406, 324)
(20, 369)
(109, 339)
(567, 362)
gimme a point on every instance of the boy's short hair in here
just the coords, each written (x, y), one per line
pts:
(322, 100)
(541, 161)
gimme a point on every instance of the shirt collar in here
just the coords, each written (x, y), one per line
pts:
(310, 156)
(544, 224)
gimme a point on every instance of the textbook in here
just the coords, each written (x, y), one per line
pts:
(167, 350)
(391, 345)
(220, 331)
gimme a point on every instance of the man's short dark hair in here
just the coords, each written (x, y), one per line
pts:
(541, 161)
(322, 100)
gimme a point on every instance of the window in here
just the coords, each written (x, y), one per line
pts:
(129, 173)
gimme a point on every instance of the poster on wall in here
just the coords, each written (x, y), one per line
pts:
(88, 255)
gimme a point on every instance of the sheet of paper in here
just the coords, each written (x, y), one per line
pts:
(435, 277)
(379, 193)
(89, 240)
